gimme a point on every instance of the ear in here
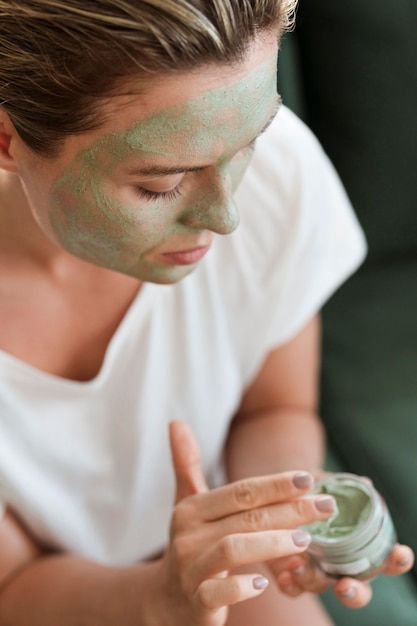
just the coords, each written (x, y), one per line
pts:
(8, 141)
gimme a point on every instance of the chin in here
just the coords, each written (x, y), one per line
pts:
(162, 275)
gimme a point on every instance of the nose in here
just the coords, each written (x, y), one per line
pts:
(214, 208)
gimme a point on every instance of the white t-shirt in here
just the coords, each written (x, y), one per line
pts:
(87, 464)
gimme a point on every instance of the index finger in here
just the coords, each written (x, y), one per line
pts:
(251, 493)
(186, 461)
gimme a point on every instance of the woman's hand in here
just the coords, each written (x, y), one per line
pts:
(213, 532)
(298, 574)
(301, 575)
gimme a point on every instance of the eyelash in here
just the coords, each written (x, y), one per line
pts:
(147, 194)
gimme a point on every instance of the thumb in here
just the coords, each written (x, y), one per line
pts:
(186, 461)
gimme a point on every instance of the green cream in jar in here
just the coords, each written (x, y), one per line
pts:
(357, 538)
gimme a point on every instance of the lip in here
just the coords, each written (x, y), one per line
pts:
(185, 257)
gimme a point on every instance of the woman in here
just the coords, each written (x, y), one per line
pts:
(125, 130)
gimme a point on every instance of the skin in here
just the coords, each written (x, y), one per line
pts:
(196, 580)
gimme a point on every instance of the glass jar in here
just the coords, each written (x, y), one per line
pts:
(358, 537)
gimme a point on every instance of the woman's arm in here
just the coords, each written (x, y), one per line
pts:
(17, 548)
(276, 429)
(61, 589)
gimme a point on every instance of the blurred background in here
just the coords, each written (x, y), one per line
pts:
(349, 70)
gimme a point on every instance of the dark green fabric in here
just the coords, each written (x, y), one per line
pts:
(359, 73)
(369, 406)
(356, 86)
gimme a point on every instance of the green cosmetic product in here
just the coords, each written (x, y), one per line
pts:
(358, 537)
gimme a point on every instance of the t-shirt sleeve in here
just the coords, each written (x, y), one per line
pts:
(309, 240)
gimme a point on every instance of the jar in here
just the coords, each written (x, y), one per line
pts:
(359, 535)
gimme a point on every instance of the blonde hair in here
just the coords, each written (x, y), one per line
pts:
(59, 57)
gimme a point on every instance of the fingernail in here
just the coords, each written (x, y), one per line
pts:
(404, 561)
(303, 480)
(325, 504)
(301, 537)
(260, 582)
(348, 593)
(301, 570)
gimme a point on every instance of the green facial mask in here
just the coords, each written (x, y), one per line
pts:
(98, 215)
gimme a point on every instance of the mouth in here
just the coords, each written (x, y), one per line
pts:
(185, 257)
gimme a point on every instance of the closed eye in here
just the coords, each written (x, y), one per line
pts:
(172, 194)
(147, 194)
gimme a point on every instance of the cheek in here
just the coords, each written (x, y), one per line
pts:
(64, 200)
(99, 217)
(75, 215)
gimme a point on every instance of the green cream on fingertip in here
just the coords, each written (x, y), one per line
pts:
(353, 510)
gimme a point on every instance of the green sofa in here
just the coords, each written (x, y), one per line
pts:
(350, 70)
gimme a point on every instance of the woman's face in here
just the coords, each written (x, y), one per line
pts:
(146, 193)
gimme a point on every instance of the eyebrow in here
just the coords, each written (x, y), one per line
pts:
(157, 170)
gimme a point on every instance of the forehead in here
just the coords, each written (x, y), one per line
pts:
(196, 114)
(229, 113)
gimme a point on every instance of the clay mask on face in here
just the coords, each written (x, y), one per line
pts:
(97, 212)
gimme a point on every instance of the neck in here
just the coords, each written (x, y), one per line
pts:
(20, 235)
